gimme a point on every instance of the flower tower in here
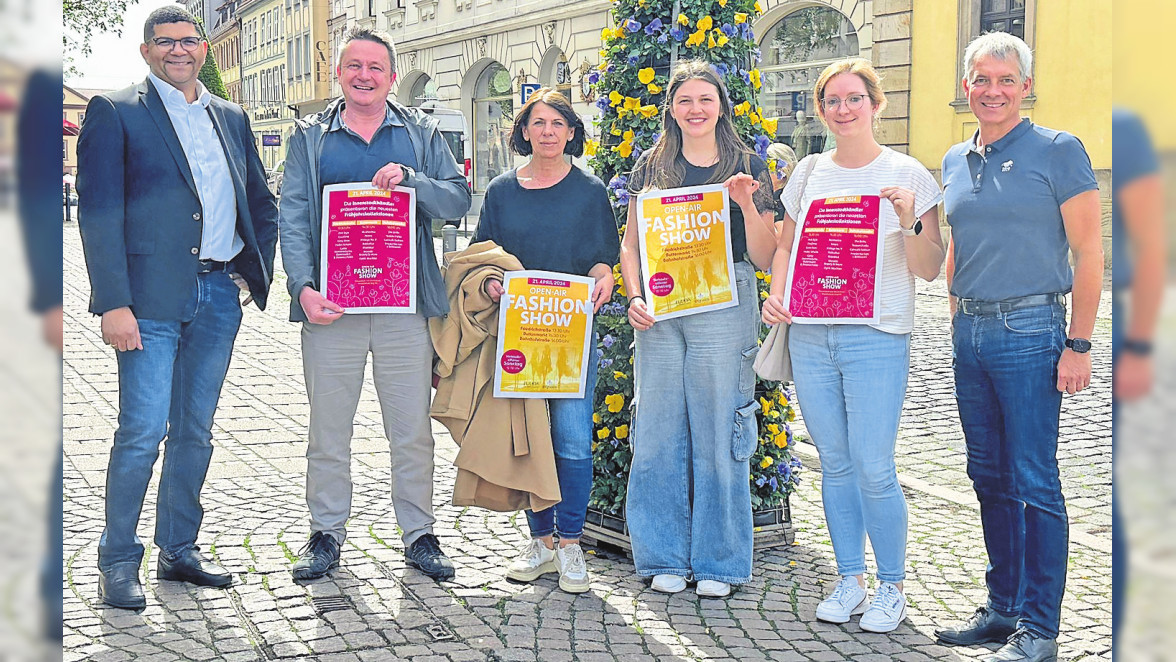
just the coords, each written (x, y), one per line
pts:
(636, 58)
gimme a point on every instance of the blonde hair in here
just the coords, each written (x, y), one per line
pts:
(851, 65)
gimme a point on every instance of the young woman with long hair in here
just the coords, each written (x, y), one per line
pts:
(694, 428)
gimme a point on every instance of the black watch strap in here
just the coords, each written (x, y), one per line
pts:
(1079, 345)
(1137, 347)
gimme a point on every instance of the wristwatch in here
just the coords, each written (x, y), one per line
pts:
(915, 229)
(1137, 347)
(1079, 345)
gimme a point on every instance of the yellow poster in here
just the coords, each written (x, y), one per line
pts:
(686, 262)
(544, 335)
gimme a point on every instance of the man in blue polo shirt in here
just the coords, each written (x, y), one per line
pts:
(364, 137)
(1019, 198)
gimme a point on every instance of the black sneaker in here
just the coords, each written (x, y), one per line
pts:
(425, 555)
(319, 555)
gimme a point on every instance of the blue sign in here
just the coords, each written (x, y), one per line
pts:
(526, 91)
(798, 100)
(271, 140)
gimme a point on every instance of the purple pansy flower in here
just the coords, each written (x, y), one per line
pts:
(654, 26)
(761, 145)
(608, 340)
(729, 30)
(594, 77)
(677, 34)
(632, 25)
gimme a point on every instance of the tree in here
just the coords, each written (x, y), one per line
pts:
(210, 76)
(636, 59)
(84, 18)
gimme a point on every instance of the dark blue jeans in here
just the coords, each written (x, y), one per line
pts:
(571, 437)
(1006, 387)
(169, 389)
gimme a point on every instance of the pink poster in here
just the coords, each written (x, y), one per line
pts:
(369, 248)
(835, 263)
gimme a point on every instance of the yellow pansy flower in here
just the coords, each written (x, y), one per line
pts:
(596, 418)
(646, 75)
(648, 111)
(759, 8)
(755, 119)
(624, 149)
(773, 428)
(653, 88)
(705, 23)
(617, 374)
(766, 462)
(683, 19)
(632, 104)
(754, 75)
(742, 108)
(628, 137)
(723, 39)
(606, 34)
(781, 440)
(740, 17)
(722, 3)
(622, 431)
(603, 433)
(770, 125)
(695, 38)
(615, 402)
(765, 406)
(768, 277)
(590, 147)
(615, 97)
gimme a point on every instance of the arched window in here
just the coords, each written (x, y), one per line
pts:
(493, 114)
(795, 52)
(423, 89)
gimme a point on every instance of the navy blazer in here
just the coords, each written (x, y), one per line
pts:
(139, 212)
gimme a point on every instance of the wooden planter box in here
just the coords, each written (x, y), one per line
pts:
(773, 528)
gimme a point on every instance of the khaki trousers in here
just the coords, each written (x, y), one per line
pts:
(334, 359)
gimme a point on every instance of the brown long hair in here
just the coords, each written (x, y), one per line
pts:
(661, 166)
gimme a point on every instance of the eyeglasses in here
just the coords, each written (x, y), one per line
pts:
(167, 43)
(852, 102)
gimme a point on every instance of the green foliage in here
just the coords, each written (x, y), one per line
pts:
(82, 19)
(630, 85)
(210, 76)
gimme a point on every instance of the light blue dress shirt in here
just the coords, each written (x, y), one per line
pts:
(210, 169)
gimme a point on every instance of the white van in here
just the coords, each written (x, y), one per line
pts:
(456, 131)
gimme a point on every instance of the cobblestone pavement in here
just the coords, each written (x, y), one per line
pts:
(256, 520)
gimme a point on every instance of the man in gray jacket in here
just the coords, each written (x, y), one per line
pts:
(364, 137)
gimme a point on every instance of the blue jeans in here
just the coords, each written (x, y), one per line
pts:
(571, 437)
(850, 383)
(169, 389)
(1120, 555)
(694, 429)
(1006, 387)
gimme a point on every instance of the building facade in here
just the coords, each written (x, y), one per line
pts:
(225, 44)
(308, 58)
(262, 35)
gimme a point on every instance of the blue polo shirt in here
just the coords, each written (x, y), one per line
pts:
(1132, 157)
(347, 158)
(1004, 208)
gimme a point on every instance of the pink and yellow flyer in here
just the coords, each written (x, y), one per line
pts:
(369, 248)
(836, 260)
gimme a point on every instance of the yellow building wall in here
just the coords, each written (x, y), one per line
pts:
(1072, 77)
(1141, 30)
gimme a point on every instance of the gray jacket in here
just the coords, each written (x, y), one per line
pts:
(441, 192)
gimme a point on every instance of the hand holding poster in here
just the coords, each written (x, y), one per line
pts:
(836, 260)
(369, 248)
(685, 239)
(544, 335)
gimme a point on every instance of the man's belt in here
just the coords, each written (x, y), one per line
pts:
(212, 266)
(978, 307)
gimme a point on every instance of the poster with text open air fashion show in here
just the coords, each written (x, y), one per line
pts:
(686, 261)
(544, 335)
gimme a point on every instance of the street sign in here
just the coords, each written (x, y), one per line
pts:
(526, 90)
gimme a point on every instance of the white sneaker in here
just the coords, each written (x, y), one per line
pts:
(532, 563)
(886, 610)
(573, 570)
(848, 599)
(709, 588)
(669, 583)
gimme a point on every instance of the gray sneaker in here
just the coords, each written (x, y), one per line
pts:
(886, 611)
(573, 569)
(532, 563)
(317, 557)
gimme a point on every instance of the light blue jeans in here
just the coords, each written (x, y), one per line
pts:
(694, 428)
(851, 380)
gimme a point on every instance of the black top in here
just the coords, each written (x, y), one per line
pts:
(568, 227)
(697, 176)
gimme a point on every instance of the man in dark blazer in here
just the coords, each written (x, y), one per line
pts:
(176, 220)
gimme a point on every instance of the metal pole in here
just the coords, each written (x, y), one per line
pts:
(67, 209)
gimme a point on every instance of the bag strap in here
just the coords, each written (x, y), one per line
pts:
(808, 171)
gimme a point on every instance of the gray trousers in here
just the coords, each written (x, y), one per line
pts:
(334, 358)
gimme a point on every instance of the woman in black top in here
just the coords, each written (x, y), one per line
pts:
(555, 217)
(694, 429)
